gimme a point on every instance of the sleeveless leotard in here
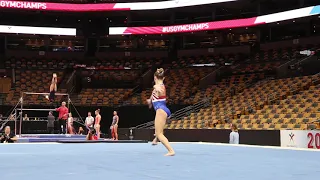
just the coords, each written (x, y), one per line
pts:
(159, 102)
(114, 120)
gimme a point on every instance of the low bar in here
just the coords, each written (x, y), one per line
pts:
(57, 94)
(36, 109)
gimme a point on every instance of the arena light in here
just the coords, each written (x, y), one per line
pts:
(46, 6)
(38, 30)
(214, 25)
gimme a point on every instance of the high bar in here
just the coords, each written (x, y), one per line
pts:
(58, 94)
(36, 109)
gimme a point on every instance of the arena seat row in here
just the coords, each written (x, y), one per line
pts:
(280, 54)
(255, 67)
(37, 63)
(102, 97)
(117, 75)
(133, 63)
(183, 62)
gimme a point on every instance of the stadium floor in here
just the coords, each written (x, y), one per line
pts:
(193, 161)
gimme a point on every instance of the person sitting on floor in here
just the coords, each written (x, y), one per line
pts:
(8, 137)
(92, 135)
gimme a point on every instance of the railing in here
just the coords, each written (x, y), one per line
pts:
(124, 100)
(71, 82)
(33, 119)
(180, 114)
(147, 125)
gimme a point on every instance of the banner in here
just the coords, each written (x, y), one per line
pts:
(38, 30)
(300, 138)
(215, 25)
(46, 6)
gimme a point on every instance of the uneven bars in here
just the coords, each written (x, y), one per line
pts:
(36, 109)
(58, 94)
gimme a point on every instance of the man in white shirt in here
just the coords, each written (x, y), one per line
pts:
(89, 121)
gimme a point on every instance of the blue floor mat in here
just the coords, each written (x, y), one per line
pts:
(146, 162)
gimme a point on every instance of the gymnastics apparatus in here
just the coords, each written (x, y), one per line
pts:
(18, 109)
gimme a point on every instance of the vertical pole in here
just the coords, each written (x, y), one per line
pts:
(21, 107)
(68, 114)
(15, 122)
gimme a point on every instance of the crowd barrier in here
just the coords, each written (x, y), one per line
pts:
(251, 137)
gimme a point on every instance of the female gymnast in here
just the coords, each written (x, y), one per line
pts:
(97, 122)
(53, 87)
(158, 101)
(114, 125)
(92, 135)
(70, 124)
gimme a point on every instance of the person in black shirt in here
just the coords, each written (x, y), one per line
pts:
(8, 137)
(50, 125)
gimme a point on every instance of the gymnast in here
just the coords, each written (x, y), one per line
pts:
(53, 87)
(70, 124)
(97, 122)
(158, 101)
(114, 125)
(92, 135)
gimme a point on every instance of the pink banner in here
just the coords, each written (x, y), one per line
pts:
(105, 6)
(184, 28)
(59, 6)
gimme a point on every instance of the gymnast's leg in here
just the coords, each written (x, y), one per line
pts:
(160, 122)
(155, 140)
(53, 88)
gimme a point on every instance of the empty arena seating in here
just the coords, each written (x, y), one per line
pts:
(180, 84)
(256, 67)
(36, 63)
(5, 85)
(117, 75)
(133, 63)
(299, 111)
(261, 95)
(32, 81)
(224, 88)
(101, 97)
(187, 61)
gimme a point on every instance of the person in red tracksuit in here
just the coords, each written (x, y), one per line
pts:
(63, 116)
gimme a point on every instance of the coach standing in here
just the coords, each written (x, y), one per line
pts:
(63, 116)
(50, 125)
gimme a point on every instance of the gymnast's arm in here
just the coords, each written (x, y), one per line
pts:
(149, 102)
(14, 138)
(117, 121)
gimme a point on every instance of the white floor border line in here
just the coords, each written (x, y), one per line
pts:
(251, 146)
(202, 143)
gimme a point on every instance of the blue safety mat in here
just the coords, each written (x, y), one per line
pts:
(53, 136)
(145, 162)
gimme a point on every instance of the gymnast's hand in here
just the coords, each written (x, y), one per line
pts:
(149, 103)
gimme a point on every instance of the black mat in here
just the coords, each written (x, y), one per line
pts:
(102, 141)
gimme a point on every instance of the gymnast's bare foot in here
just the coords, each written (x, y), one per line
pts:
(170, 153)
